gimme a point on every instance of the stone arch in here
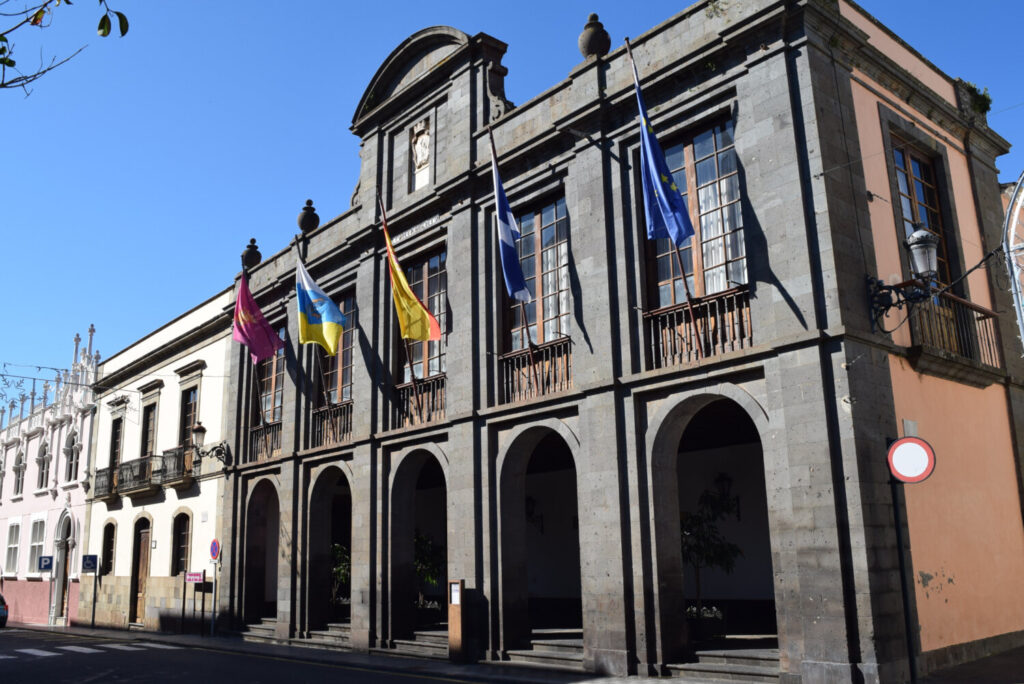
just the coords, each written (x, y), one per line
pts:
(261, 559)
(329, 508)
(663, 437)
(512, 465)
(418, 496)
(414, 56)
(65, 545)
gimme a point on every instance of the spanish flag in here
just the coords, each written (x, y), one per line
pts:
(320, 320)
(414, 319)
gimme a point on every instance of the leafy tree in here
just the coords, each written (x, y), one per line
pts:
(341, 573)
(703, 544)
(41, 15)
(428, 561)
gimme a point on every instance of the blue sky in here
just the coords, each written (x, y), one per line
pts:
(134, 175)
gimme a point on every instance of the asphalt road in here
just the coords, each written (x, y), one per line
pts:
(49, 657)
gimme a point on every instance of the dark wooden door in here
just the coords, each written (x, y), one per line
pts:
(62, 609)
(141, 568)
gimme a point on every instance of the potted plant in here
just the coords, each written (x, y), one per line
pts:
(704, 546)
(428, 562)
(341, 573)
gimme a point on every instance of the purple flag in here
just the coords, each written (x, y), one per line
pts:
(251, 328)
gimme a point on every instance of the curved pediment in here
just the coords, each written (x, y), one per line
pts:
(414, 57)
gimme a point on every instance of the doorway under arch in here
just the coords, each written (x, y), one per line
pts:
(262, 536)
(419, 546)
(140, 571)
(540, 542)
(65, 547)
(330, 547)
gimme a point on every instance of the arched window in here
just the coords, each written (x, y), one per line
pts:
(19, 474)
(181, 541)
(43, 461)
(71, 449)
(107, 561)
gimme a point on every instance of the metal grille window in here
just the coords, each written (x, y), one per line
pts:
(189, 413)
(13, 539)
(338, 368)
(428, 281)
(544, 257)
(918, 194)
(35, 549)
(107, 561)
(148, 429)
(116, 430)
(270, 376)
(181, 543)
(704, 168)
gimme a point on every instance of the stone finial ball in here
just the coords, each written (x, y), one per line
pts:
(594, 41)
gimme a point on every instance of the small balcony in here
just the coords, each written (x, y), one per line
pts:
(105, 484)
(536, 372)
(418, 403)
(954, 338)
(176, 468)
(332, 424)
(264, 442)
(688, 333)
(135, 478)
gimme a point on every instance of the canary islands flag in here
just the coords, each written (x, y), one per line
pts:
(320, 319)
(415, 321)
(664, 207)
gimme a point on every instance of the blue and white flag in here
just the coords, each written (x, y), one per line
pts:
(508, 233)
(664, 207)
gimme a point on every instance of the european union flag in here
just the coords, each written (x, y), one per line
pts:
(664, 207)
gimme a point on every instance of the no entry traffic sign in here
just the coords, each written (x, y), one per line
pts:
(911, 459)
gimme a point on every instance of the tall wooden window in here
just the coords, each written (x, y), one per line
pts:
(917, 190)
(35, 548)
(13, 541)
(544, 257)
(428, 281)
(270, 376)
(116, 430)
(19, 474)
(148, 429)
(181, 541)
(43, 460)
(705, 169)
(71, 451)
(189, 413)
(337, 369)
(107, 561)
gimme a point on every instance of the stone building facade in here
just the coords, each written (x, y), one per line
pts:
(44, 476)
(551, 456)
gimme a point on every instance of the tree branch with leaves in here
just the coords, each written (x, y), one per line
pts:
(40, 15)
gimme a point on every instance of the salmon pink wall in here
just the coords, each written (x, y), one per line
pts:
(966, 532)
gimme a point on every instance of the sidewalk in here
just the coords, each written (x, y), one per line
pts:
(1004, 668)
(482, 672)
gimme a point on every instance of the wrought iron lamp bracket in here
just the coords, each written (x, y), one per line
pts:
(883, 298)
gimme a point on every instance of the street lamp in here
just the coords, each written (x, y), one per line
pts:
(923, 246)
(218, 450)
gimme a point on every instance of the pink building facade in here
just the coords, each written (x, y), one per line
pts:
(44, 474)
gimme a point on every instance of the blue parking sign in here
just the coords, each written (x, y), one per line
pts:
(90, 563)
(45, 563)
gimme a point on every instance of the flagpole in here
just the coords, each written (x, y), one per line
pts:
(256, 379)
(323, 385)
(408, 347)
(679, 258)
(522, 304)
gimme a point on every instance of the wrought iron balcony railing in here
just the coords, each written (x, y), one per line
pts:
(420, 402)
(720, 323)
(264, 442)
(135, 477)
(530, 373)
(176, 467)
(958, 327)
(332, 424)
(105, 483)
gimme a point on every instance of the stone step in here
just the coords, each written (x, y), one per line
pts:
(339, 627)
(701, 672)
(552, 659)
(760, 657)
(431, 637)
(420, 648)
(558, 645)
(316, 641)
(328, 635)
